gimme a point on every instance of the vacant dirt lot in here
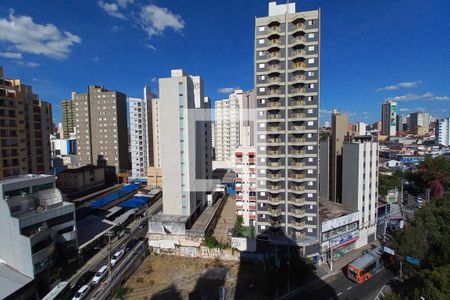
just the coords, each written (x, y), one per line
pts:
(173, 277)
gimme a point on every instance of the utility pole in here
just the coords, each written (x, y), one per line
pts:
(109, 255)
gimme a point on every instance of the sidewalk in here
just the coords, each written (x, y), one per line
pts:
(323, 271)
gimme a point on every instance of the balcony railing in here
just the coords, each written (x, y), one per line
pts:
(274, 222)
(298, 40)
(273, 116)
(297, 224)
(298, 115)
(273, 29)
(297, 176)
(274, 164)
(274, 199)
(273, 55)
(298, 152)
(274, 42)
(273, 92)
(298, 52)
(298, 164)
(274, 187)
(298, 102)
(274, 152)
(297, 200)
(297, 211)
(298, 127)
(274, 104)
(297, 90)
(299, 188)
(274, 212)
(298, 140)
(298, 65)
(273, 141)
(273, 67)
(299, 26)
(298, 235)
(274, 128)
(274, 176)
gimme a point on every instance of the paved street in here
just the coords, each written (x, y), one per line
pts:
(340, 287)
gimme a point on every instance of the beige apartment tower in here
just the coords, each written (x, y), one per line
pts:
(13, 154)
(68, 118)
(339, 129)
(101, 128)
(287, 132)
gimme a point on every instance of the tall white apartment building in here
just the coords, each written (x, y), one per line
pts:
(185, 137)
(442, 132)
(360, 128)
(389, 118)
(245, 162)
(360, 184)
(143, 134)
(227, 125)
(287, 132)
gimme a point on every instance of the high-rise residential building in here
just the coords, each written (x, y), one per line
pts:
(401, 123)
(68, 118)
(227, 125)
(101, 128)
(389, 118)
(442, 132)
(245, 162)
(339, 130)
(419, 119)
(287, 129)
(360, 184)
(144, 139)
(13, 154)
(185, 136)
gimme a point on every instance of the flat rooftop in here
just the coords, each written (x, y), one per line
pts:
(330, 210)
(90, 228)
(20, 178)
(11, 280)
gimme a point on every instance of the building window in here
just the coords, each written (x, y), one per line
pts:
(261, 66)
(311, 35)
(261, 28)
(261, 41)
(311, 48)
(310, 60)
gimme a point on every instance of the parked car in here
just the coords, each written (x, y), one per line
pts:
(230, 232)
(82, 292)
(86, 278)
(99, 275)
(116, 257)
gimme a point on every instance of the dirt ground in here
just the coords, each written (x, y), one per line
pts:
(173, 277)
(226, 220)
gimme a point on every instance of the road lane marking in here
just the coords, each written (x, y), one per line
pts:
(340, 293)
(349, 288)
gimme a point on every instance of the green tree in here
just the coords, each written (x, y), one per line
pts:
(434, 173)
(388, 182)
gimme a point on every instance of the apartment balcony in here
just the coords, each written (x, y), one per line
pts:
(274, 67)
(298, 188)
(298, 103)
(274, 79)
(273, 140)
(297, 224)
(274, 212)
(274, 55)
(273, 117)
(299, 128)
(297, 211)
(251, 160)
(274, 128)
(252, 198)
(297, 176)
(297, 66)
(298, 140)
(299, 26)
(274, 164)
(274, 43)
(273, 92)
(274, 200)
(273, 187)
(297, 200)
(297, 90)
(274, 176)
(252, 207)
(297, 40)
(298, 115)
(298, 235)
(274, 223)
(297, 164)
(274, 152)
(298, 152)
(275, 29)
(274, 104)
(298, 52)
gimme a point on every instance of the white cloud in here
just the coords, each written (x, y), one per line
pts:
(111, 9)
(13, 55)
(404, 109)
(150, 46)
(22, 34)
(124, 3)
(95, 59)
(226, 90)
(116, 28)
(365, 113)
(428, 96)
(28, 64)
(401, 85)
(154, 20)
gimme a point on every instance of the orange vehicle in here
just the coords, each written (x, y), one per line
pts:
(364, 267)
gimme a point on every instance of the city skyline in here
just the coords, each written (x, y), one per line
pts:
(359, 71)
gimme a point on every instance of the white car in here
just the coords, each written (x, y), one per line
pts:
(82, 292)
(99, 275)
(116, 257)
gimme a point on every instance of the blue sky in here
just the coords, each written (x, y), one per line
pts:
(371, 50)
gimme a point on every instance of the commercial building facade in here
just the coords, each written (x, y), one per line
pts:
(339, 130)
(185, 136)
(38, 225)
(78, 180)
(389, 118)
(287, 95)
(360, 185)
(419, 122)
(101, 128)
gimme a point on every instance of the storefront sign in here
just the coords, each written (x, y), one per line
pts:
(344, 239)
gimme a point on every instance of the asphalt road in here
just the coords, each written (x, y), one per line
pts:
(340, 287)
